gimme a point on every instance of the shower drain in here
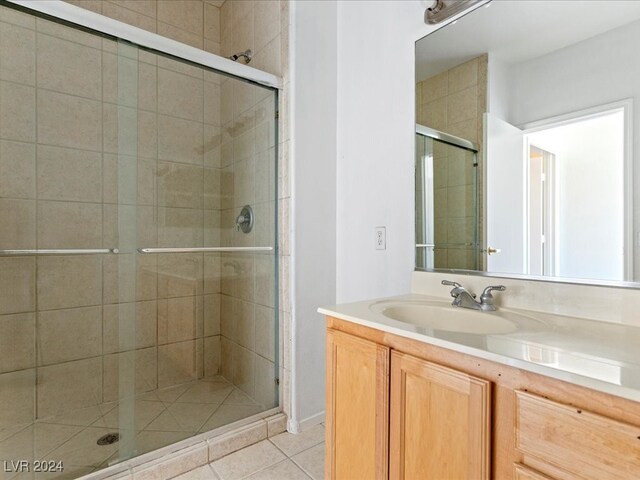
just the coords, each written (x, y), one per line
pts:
(108, 439)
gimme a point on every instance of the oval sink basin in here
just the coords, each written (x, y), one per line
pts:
(444, 317)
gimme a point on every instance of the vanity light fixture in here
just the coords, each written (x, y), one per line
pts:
(443, 9)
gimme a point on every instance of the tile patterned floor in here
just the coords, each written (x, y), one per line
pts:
(162, 417)
(283, 457)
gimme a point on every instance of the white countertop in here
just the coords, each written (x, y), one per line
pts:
(594, 354)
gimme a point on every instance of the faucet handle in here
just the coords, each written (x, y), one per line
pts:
(451, 284)
(487, 291)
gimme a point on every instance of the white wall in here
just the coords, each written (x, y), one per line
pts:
(376, 105)
(353, 167)
(600, 70)
(590, 201)
(313, 128)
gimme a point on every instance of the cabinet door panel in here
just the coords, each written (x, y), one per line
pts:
(357, 408)
(524, 473)
(439, 422)
(584, 444)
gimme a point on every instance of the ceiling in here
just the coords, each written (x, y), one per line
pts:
(519, 30)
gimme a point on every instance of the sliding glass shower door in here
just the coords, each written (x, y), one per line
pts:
(138, 273)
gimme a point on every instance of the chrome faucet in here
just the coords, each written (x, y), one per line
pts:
(462, 297)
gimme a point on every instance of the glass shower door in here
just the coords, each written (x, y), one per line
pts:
(446, 205)
(135, 311)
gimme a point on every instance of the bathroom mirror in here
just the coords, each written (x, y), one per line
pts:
(526, 164)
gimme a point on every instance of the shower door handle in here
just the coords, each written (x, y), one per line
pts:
(60, 251)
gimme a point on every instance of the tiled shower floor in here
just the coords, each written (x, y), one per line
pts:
(162, 417)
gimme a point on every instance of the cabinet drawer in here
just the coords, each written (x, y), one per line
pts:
(584, 444)
(524, 473)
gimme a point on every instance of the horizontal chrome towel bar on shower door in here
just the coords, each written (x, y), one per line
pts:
(205, 249)
(62, 251)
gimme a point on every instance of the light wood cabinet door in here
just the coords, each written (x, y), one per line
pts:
(440, 422)
(357, 417)
(582, 443)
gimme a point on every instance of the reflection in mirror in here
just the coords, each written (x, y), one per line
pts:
(546, 96)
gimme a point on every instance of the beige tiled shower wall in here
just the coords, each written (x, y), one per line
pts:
(454, 102)
(77, 141)
(247, 310)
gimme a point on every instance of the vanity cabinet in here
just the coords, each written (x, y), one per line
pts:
(439, 422)
(357, 407)
(399, 408)
(393, 415)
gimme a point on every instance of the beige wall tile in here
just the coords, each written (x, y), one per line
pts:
(145, 7)
(69, 67)
(131, 17)
(135, 371)
(434, 114)
(268, 59)
(244, 182)
(245, 331)
(17, 394)
(177, 363)
(467, 129)
(212, 103)
(73, 35)
(211, 22)
(180, 227)
(69, 225)
(69, 174)
(67, 386)
(17, 112)
(180, 140)
(143, 317)
(211, 356)
(463, 76)
(18, 219)
(17, 53)
(462, 105)
(212, 186)
(435, 87)
(178, 319)
(267, 22)
(226, 357)
(92, 5)
(147, 87)
(17, 284)
(179, 35)
(244, 369)
(264, 280)
(127, 226)
(67, 282)
(68, 121)
(211, 273)
(184, 14)
(212, 146)
(180, 185)
(17, 342)
(266, 393)
(129, 278)
(65, 335)
(180, 95)
(211, 314)
(17, 169)
(265, 332)
(120, 129)
(180, 275)
(135, 182)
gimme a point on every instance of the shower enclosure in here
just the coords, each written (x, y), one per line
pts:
(137, 307)
(446, 201)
